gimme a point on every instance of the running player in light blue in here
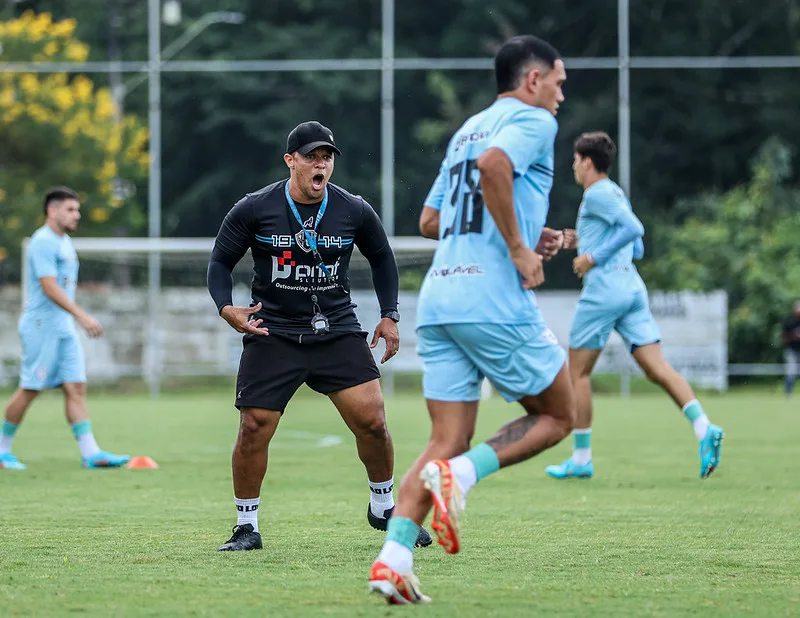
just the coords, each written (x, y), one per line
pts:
(609, 238)
(51, 351)
(477, 315)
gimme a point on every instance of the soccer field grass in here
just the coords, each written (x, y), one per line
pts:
(645, 537)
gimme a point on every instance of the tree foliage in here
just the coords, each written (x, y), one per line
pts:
(743, 241)
(60, 130)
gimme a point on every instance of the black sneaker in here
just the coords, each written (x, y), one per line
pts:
(244, 537)
(379, 523)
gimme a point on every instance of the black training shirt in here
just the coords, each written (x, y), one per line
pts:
(285, 273)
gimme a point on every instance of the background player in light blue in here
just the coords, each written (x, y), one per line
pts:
(51, 351)
(609, 238)
(477, 315)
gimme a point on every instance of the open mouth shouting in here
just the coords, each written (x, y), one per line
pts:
(318, 182)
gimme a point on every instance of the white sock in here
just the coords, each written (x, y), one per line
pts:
(88, 445)
(5, 444)
(700, 426)
(464, 471)
(381, 498)
(582, 456)
(247, 511)
(397, 557)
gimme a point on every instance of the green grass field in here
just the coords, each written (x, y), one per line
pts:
(645, 537)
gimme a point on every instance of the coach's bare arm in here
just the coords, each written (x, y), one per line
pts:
(497, 185)
(429, 223)
(55, 293)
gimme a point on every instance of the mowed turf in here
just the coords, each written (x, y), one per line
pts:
(645, 537)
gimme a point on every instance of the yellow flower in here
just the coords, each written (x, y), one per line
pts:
(59, 79)
(64, 28)
(39, 26)
(109, 170)
(51, 48)
(104, 104)
(76, 51)
(115, 202)
(114, 142)
(99, 215)
(29, 83)
(83, 87)
(3, 253)
(13, 112)
(14, 28)
(63, 97)
(143, 160)
(39, 113)
(7, 97)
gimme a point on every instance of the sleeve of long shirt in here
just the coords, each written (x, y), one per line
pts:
(625, 225)
(233, 240)
(371, 240)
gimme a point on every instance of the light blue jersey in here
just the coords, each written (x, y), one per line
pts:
(474, 318)
(608, 231)
(472, 278)
(50, 255)
(614, 296)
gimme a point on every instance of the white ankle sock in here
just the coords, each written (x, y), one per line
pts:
(464, 471)
(700, 426)
(582, 456)
(397, 557)
(87, 445)
(381, 498)
(247, 511)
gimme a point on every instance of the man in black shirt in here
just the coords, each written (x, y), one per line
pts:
(791, 342)
(301, 326)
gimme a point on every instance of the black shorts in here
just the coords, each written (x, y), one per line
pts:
(273, 367)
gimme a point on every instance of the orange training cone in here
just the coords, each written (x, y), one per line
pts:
(137, 463)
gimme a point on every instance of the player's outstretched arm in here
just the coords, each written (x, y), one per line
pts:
(550, 243)
(371, 240)
(627, 229)
(570, 238)
(497, 185)
(55, 293)
(429, 223)
(234, 238)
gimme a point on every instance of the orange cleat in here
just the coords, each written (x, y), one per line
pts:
(448, 502)
(396, 588)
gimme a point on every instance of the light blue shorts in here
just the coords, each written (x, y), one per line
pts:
(50, 360)
(518, 359)
(628, 313)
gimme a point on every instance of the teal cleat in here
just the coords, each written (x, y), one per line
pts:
(710, 448)
(9, 462)
(569, 469)
(104, 459)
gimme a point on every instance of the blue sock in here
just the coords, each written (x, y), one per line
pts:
(693, 410)
(81, 428)
(9, 429)
(582, 438)
(402, 530)
(7, 436)
(484, 459)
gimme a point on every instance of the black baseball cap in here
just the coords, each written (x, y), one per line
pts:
(307, 136)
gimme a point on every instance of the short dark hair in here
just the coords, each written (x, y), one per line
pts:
(516, 54)
(599, 147)
(58, 194)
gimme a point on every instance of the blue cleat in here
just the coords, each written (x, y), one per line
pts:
(104, 459)
(710, 448)
(569, 469)
(9, 462)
